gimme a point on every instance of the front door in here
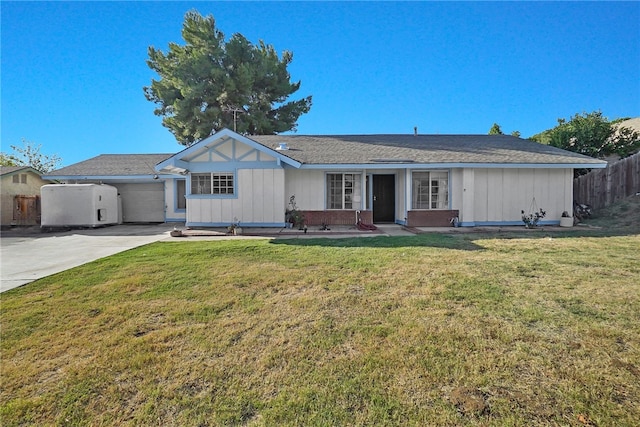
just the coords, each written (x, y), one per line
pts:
(384, 198)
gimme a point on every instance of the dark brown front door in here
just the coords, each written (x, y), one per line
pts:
(384, 198)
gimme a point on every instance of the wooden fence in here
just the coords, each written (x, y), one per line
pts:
(603, 187)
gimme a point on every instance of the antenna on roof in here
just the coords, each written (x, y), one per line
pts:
(235, 111)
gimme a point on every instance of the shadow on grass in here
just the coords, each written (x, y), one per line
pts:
(435, 240)
(575, 232)
(460, 241)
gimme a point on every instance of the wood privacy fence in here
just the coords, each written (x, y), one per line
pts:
(603, 187)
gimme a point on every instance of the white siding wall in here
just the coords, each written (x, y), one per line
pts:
(308, 187)
(456, 189)
(400, 211)
(260, 200)
(170, 201)
(501, 194)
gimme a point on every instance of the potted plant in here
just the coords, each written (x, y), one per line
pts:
(234, 228)
(531, 220)
(566, 220)
(293, 216)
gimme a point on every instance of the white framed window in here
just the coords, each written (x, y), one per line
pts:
(344, 191)
(430, 190)
(221, 183)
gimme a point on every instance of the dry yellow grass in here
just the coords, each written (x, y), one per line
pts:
(426, 330)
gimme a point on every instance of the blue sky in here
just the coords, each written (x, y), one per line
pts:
(73, 72)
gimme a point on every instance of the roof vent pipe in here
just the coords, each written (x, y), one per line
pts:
(282, 147)
(415, 131)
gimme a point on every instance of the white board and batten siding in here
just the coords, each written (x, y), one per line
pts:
(499, 195)
(308, 186)
(260, 201)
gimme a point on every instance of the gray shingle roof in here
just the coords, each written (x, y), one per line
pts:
(10, 169)
(5, 170)
(360, 149)
(113, 165)
(376, 149)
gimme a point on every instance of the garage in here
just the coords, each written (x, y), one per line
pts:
(142, 202)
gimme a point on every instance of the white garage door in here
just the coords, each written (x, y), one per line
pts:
(142, 202)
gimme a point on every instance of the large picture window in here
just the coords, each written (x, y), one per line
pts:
(344, 191)
(212, 183)
(430, 190)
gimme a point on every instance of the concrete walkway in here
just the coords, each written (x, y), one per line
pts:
(28, 255)
(313, 232)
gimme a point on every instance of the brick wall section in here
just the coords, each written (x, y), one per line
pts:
(335, 217)
(430, 218)
(414, 218)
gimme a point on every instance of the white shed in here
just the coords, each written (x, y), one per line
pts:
(78, 205)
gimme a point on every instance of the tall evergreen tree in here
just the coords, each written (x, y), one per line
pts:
(210, 83)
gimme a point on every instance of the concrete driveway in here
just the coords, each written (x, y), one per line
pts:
(29, 254)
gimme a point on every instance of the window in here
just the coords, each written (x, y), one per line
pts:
(222, 183)
(20, 178)
(344, 191)
(212, 183)
(430, 190)
(181, 190)
(201, 183)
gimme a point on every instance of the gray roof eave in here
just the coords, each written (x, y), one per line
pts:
(417, 165)
(105, 177)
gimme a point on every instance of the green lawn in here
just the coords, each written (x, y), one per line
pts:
(534, 329)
